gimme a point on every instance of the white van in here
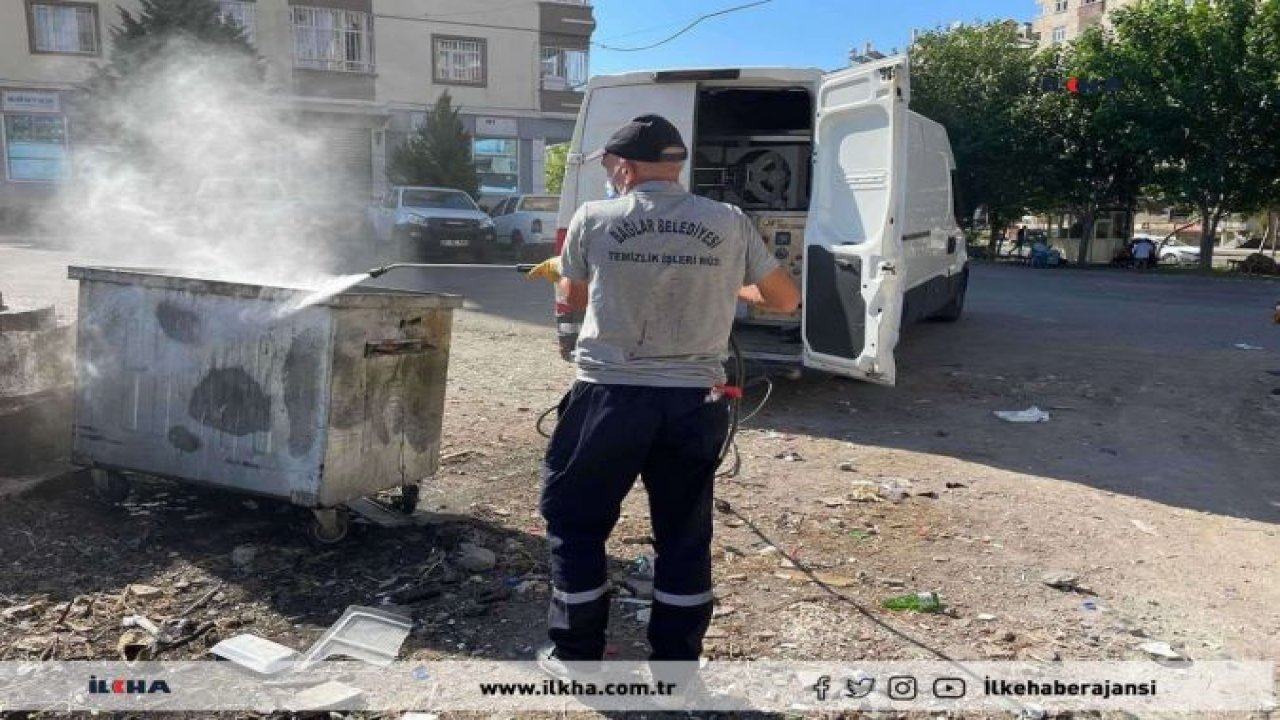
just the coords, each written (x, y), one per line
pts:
(850, 189)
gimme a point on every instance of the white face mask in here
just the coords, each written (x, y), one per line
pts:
(610, 188)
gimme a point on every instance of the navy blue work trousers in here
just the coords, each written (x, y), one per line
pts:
(607, 435)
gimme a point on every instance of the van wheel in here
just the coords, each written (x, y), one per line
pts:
(954, 308)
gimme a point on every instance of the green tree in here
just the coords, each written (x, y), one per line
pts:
(438, 154)
(976, 80)
(557, 157)
(1100, 140)
(142, 36)
(1208, 70)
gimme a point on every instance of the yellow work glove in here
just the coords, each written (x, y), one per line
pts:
(548, 270)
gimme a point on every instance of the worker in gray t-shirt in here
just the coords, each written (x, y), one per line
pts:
(659, 271)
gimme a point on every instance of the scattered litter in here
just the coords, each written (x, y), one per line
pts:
(363, 633)
(642, 567)
(1061, 581)
(893, 582)
(956, 485)
(1161, 650)
(1031, 711)
(834, 502)
(865, 492)
(1143, 527)
(892, 492)
(859, 534)
(986, 617)
(1247, 346)
(457, 457)
(829, 579)
(420, 716)
(473, 558)
(789, 456)
(1089, 605)
(643, 614)
(19, 611)
(931, 494)
(767, 550)
(926, 602)
(1032, 414)
(639, 587)
(327, 696)
(243, 556)
(144, 591)
(135, 645)
(255, 653)
(847, 467)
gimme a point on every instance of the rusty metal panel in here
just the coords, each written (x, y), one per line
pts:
(387, 390)
(208, 382)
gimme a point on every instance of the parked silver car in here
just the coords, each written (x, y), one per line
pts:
(525, 225)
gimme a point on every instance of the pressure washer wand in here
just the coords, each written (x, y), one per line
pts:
(379, 272)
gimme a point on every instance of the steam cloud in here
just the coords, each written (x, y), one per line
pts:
(210, 175)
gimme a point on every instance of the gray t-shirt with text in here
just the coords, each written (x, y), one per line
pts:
(664, 267)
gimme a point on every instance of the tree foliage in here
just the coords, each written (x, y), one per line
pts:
(438, 153)
(557, 156)
(1208, 72)
(143, 35)
(1098, 144)
(974, 80)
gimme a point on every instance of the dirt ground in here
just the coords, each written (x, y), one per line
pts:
(1154, 484)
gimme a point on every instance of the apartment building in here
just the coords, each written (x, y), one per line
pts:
(364, 71)
(1063, 20)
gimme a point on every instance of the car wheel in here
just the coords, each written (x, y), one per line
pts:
(517, 245)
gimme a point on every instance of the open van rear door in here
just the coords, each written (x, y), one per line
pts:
(854, 274)
(607, 109)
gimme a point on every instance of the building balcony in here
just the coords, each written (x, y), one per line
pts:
(1091, 13)
(559, 17)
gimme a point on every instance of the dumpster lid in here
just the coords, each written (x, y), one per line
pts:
(355, 297)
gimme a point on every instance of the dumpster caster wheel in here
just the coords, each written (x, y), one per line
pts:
(330, 525)
(407, 501)
(110, 486)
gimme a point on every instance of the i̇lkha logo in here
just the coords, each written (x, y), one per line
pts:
(123, 686)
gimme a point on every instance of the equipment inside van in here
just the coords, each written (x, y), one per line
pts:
(850, 189)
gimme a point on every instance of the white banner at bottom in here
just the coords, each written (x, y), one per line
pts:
(494, 686)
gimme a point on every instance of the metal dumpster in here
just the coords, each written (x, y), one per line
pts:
(233, 385)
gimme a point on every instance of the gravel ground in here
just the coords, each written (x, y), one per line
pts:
(1153, 485)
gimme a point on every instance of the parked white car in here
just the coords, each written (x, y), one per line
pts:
(1173, 251)
(523, 223)
(421, 223)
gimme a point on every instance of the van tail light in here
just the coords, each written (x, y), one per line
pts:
(536, 227)
(561, 235)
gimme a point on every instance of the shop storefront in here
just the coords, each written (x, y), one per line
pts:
(34, 150)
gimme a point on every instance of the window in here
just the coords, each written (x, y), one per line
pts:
(459, 61)
(498, 163)
(35, 147)
(58, 27)
(1060, 33)
(563, 69)
(541, 203)
(438, 200)
(241, 14)
(330, 39)
(1060, 6)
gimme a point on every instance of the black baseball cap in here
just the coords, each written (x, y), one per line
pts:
(647, 138)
